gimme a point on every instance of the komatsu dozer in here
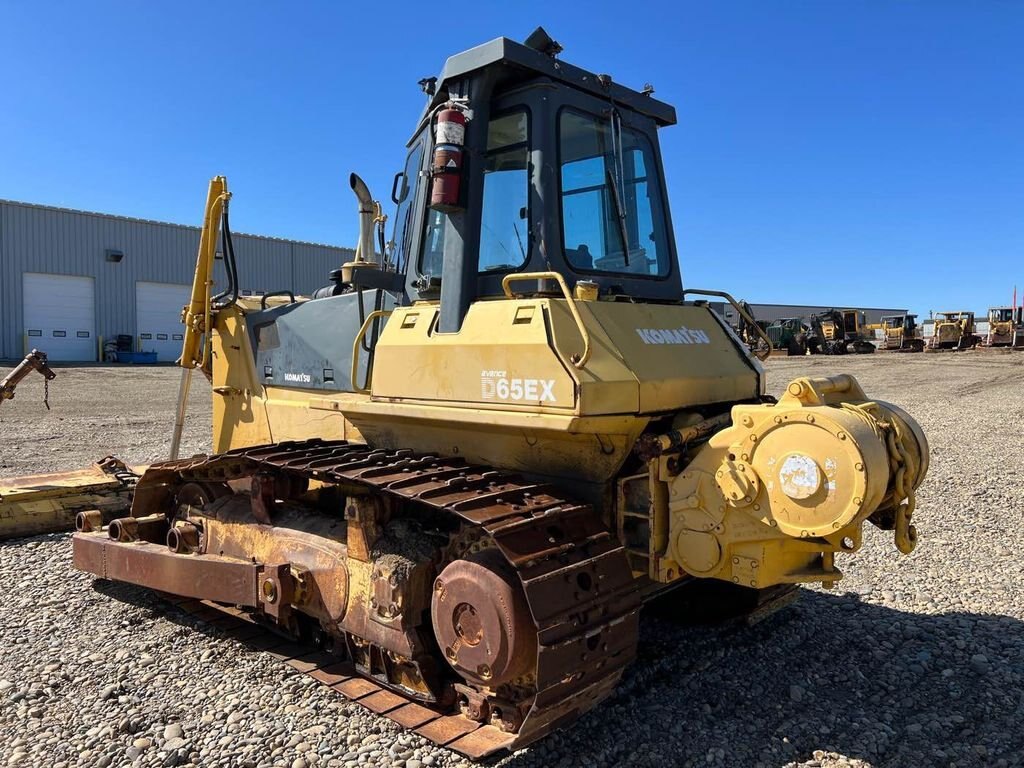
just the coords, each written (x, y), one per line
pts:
(455, 474)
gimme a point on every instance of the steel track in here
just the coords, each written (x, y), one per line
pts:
(581, 593)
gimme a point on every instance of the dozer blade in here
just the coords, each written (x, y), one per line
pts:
(49, 503)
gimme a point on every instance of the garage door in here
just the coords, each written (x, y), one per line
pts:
(60, 315)
(158, 318)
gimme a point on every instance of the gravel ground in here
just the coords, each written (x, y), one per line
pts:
(911, 661)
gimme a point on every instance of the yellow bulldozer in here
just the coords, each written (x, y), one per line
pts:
(901, 333)
(1005, 327)
(450, 480)
(954, 330)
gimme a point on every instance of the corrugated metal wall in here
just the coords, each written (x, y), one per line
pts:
(58, 241)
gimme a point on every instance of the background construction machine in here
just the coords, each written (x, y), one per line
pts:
(459, 473)
(752, 331)
(837, 332)
(790, 334)
(954, 330)
(902, 333)
(1005, 327)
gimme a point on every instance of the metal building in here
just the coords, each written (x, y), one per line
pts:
(69, 279)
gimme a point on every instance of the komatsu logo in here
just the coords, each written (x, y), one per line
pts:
(299, 378)
(496, 385)
(682, 335)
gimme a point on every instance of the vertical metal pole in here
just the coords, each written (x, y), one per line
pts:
(179, 420)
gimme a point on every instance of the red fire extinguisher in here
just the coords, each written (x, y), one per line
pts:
(446, 170)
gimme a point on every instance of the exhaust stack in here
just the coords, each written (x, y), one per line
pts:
(365, 253)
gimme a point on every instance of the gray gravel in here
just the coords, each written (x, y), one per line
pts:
(912, 661)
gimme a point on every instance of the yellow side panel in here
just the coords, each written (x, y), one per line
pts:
(500, 358)
(247, 413)
(680, 355)
(239, 416)
(606, 384)
(301, 414)
(645, 358)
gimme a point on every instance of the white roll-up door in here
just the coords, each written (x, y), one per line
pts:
(60, 315)
(158, 318)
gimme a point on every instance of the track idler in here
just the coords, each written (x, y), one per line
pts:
(482, 621)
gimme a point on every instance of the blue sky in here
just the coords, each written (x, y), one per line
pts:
(867, 153)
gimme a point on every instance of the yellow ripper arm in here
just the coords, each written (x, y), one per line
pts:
(195, 350)
(196, 316)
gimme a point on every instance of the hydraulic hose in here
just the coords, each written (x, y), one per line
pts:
(230, 267)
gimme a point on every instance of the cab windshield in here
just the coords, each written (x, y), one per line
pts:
(610, 192)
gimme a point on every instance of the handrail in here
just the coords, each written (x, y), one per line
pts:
(354, 373)
(272, 294)
(743, 314)
(577, 360)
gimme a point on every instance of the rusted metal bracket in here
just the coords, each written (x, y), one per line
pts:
(221, 579)
(264, 497)
(364, 525)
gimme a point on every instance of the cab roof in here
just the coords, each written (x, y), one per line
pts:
(520, 63)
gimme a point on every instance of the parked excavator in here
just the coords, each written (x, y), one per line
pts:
(1005, 327)
(954, 330)
(451, 483)
(902, 333)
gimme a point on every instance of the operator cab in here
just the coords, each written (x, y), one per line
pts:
(906, 322)
(1004, 314)
(560, 170)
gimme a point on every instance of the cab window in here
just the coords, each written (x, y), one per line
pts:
(613, 220)
(504, 229)
(398, 246)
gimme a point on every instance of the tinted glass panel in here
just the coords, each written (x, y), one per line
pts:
(504, 231)
(433, 244)
(592, 168)
(504, 234)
